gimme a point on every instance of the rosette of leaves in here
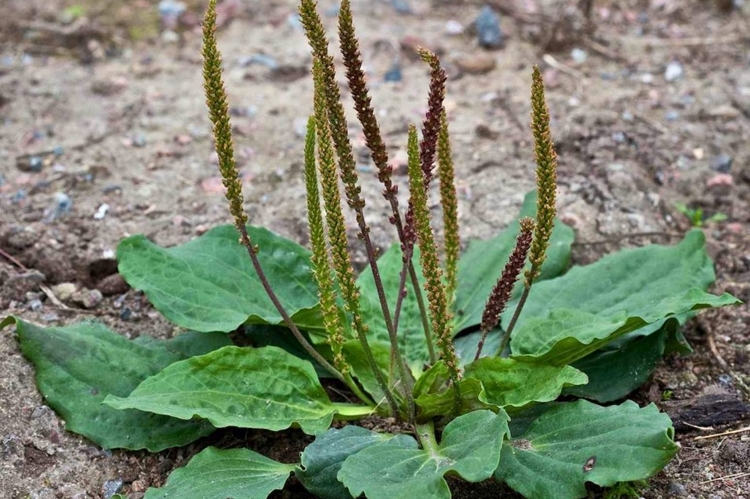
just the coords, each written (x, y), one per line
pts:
(470, 352)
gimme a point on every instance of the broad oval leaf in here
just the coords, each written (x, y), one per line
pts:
(614, 373)
(571, 316)
(322, 459)
(581, 442)
(398, 469)
(511, 384)
(78, 366)
(209, 283)
(224, 473)
(266, 388)
(483, 262)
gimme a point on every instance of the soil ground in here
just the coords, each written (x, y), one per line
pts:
(103, 134)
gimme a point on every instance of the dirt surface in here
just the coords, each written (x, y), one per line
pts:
(103, 134)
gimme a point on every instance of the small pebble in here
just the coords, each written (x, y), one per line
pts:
(721, 163)
(394, 74)
(453, 28)
(476, 64)
(112, 285)
(169, 36)
(487, 25)
(126, 314)
(64, 291)
(725, 380)
(62, 206)
(672, 115)
(88, 299)
(111, 487)
(35, 305)
(139, 140)
(674, 71)
(170, 8)
(119, 301)
(262, 59)
(401, 6)
(677, 489)
(101, 212)
(579, 56)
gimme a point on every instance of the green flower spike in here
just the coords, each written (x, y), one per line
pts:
(337, 227)
(430, 264)
(216, 99)
(546, 185)
(449, 203)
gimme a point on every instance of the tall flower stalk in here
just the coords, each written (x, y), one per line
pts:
(347, 165)
(546, 184)
(373, 139)
(216, 100)
(430, 265)
(337, 228)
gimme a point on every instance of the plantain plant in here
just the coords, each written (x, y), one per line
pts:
(485, 378)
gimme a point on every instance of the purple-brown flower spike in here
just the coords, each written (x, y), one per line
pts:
(362, 101)
(504, 287)
(546, 176)
(432, 122)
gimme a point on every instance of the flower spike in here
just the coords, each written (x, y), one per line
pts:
(320, 260)
(501, 292)
(218, 107)
(449, 204)
(430, 265)
(216, 99)
(546, 175)
(546, 186)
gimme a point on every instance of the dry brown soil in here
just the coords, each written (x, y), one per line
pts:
(124, 103)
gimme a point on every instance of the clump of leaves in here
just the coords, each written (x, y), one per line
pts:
(472, 362)
(696, 217)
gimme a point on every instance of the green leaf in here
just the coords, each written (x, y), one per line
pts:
(435, 398)
(410, 333)
(322, 459)
(224, 473)
(508, 383)
(355, 355)
(398, 469)
(209, 283)
(581, 442)
(265, 388)
(482, 264)
(78, 366)
(613, 374)
(567, 318)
